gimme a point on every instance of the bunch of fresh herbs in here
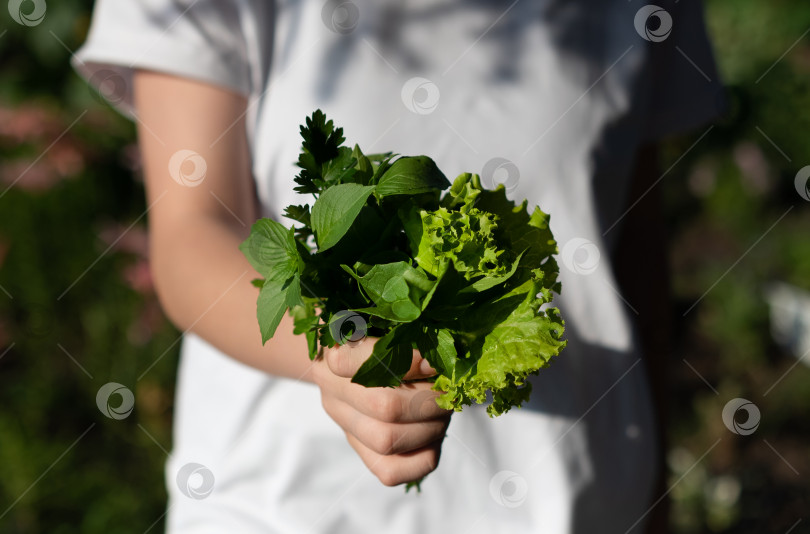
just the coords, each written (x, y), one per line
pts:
(387, 250)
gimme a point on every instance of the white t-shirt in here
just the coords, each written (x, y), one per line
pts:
(565, 90)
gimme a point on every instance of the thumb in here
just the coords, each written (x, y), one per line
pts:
(420, 368)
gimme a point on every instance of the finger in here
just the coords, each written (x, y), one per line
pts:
(398, 468)
(420, 368)
(406, 404)
(387, 438)
(344, 360)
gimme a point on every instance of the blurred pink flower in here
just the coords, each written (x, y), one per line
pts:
(64, 160)
(139, 277)
(28, 123)
(756, 174)
(149, 321)
(134, 241)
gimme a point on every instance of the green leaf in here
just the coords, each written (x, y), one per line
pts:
(488, 282)
(397, 290)
(389, 361)
(274, 298)
(271, 249)
(506, 346)
(298, 213)
(467, 238)
(335, 211)
(518, 229)
(321, 138)
(364, 169)
(341, 168)
(305, 322)
(411, 176)
(438, 348)
(322, 144)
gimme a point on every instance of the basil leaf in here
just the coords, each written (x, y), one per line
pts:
(335, 211)
(271, 249)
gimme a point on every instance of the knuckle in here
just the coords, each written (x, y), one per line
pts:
(387, 407)
(431, 461)
(388, 475)
(383, 442)
(334, 360)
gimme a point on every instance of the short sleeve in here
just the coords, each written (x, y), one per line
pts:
(197, 39)
(685, 91)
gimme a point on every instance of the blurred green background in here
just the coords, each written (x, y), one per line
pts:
(77, 308)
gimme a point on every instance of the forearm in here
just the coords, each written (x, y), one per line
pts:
(203, 282)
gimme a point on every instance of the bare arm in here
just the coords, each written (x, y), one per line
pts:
(201, 277)
(203, 280)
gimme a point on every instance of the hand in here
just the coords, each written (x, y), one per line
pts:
(397, 432)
